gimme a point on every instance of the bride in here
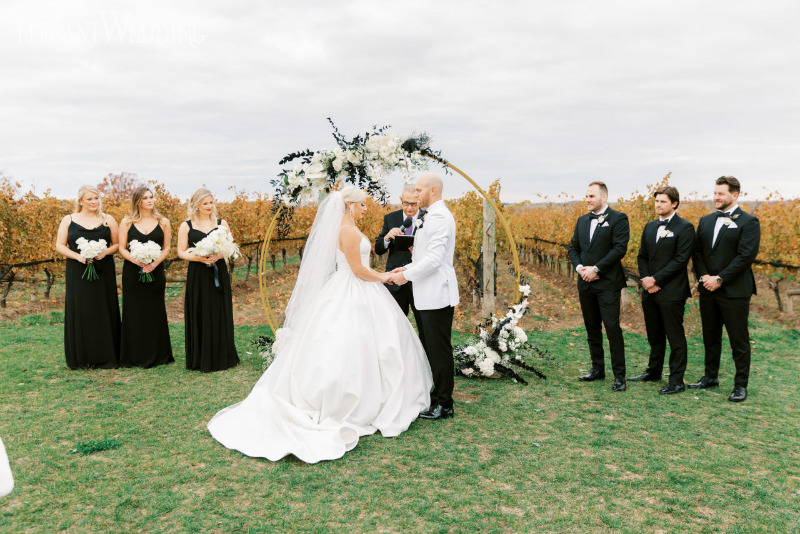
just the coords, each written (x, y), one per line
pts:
(348, 363)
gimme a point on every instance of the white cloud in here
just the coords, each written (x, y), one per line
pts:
(544, 95)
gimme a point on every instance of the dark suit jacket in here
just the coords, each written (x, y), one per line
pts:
(605, 251)
(731, 257)
(667, 259)
(396, 258)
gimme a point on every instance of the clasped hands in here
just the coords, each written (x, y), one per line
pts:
(709, 282)
(396, 277)
(588, 274)
(649, 283)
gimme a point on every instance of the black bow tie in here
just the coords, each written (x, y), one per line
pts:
(663, 223)
(723, 214)
(593, 215)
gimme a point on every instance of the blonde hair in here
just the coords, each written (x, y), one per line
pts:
(352, 194)
(197, 196)
(135, 212)
(90, 189)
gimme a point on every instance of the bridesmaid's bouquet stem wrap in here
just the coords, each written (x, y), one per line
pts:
(218, 241)
(146, 253)
(90, 249)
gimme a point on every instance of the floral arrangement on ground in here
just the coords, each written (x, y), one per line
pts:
(501, 348)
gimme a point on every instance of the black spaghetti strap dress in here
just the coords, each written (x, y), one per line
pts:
(208, 314)
(91, 308)
(145, 332)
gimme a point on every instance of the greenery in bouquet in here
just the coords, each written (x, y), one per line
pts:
(501, 348)
(364, 161)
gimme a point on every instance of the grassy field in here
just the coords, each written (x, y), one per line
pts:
(556, 456)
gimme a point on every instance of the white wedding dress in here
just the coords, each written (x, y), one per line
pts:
(353, 367)
(6, 480)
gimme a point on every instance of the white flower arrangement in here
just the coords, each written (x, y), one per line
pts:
(89, 250)
(495, 352)
(365, 161)
(218, 241)
(146, 253)
(268, 349)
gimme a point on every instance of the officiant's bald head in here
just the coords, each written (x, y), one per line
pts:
(429, 188)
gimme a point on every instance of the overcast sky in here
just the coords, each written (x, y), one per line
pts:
(546, 96)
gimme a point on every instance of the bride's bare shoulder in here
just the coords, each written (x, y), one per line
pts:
(349, 233)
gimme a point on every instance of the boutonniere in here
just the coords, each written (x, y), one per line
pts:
(602, 218)
(736, 216)
(419, 222)
(667, 233)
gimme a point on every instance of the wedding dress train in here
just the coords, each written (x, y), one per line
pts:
(353, 367)
(6, 480)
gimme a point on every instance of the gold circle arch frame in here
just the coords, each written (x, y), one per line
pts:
(262, 263)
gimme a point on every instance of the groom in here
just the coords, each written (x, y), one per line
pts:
(435, 290)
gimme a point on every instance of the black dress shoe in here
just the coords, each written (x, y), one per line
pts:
(594, 374)
(619, 384)
(671, 388)
(738, 395)
(646, 376)
(437, 412)
(705, 382)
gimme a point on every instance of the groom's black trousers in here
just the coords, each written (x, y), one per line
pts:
(435, 329)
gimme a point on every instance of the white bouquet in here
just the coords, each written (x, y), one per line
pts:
(218, 241)
(146, 253)
(90, 249)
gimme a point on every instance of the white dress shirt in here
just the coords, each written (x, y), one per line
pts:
(720, 222)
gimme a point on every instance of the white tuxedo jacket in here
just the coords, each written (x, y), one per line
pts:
(431, 268)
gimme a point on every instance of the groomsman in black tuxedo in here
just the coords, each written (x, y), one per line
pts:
(726, 246)
(400, 222)
(598, 245)
(666, 246)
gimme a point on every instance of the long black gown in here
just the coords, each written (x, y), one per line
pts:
(91, 309)
(145, 332)
(208, 314)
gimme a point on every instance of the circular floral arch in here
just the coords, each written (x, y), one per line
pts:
(356, 161)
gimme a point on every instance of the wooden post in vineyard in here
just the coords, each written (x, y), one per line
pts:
(489, 247)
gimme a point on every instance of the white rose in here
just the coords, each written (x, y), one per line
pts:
(525, 290)
(471, 351)
(503, 346)
(469, 371)
(520, 335)
(486, 366)
(492, 355)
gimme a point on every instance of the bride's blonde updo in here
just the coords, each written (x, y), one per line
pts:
(352, 194)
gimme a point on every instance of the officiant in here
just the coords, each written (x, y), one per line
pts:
(402, 222)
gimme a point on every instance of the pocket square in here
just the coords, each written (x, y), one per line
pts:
(604, 225)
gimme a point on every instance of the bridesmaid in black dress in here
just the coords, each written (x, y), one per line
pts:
(91, 311)
(208, 309)
(145, 332)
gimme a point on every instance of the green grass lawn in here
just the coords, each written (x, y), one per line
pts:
(555, 456)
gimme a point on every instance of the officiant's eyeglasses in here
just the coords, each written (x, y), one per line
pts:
(409, 204)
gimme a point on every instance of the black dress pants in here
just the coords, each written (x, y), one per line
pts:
(733, 313)
(404, 296)
(601, 308)
(435, 329)
(664, 322)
